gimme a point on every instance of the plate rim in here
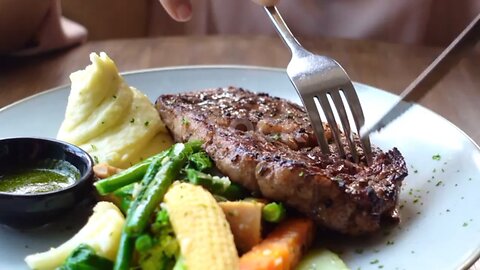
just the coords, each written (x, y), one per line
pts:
(469, 262)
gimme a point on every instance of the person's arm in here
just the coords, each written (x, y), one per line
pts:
(181, 10)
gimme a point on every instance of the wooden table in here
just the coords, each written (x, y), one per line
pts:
(387, 66)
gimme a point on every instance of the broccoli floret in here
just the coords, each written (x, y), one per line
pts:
(159, 249)
(200, 161)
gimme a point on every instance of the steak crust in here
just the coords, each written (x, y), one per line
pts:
(267, 145)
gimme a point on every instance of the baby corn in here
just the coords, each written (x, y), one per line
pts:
(201, 228)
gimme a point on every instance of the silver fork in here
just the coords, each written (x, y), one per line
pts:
(320, 79)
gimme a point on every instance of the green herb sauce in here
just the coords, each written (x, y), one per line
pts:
(39, 180)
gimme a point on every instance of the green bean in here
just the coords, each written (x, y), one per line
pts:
(221, 186)
(152, 170)
(125, 195)
(125, 252)
(214, 185)
(152, 195)
(125, 249)
(147, 178)
(273, 212)
(126, 177)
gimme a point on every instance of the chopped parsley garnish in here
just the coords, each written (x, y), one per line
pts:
(465, 224)
(438, 183)
(389, 243)
(301, 174)
(114, 96)
(132, 120)
(374, 261)
(415, 171)
(95, 159)
(93, 147)
(146, 123)
(185, 121)
(436, 157)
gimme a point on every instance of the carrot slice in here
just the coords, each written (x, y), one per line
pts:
(282, 248)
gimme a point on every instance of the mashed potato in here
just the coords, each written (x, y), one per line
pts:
(114, 122)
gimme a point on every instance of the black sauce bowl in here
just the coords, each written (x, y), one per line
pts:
(33, 210)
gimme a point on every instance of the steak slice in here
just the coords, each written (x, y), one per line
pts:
(267, 145)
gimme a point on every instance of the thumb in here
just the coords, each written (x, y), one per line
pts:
(179, 10)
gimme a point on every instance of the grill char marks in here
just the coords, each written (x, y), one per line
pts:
(267, 145)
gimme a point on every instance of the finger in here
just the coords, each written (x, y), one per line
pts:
(179, 10)
(267, 3)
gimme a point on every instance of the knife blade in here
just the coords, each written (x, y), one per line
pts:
(463, 43)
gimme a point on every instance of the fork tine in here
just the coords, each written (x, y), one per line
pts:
(316, 122)
(367, 147)
(309, 72)
(327, 109)
(342, 113)
(359, 118)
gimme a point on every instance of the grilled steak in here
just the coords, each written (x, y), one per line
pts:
(267, 145)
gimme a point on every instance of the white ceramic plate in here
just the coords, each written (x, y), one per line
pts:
(440, 227)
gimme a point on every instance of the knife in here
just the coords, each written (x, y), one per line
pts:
(464, 43)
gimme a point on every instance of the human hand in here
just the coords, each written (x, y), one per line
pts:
(181, 10)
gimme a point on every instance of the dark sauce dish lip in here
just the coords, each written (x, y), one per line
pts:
(26, 211)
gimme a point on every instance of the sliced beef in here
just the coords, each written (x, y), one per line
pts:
(267, 145)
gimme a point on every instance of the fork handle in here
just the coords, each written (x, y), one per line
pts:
(283, 31)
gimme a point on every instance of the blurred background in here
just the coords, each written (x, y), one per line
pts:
(429, 22)
(426, 22)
